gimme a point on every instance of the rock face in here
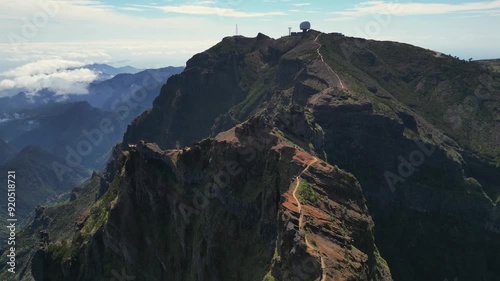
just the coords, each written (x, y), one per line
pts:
(324, 150)
(410, 125)
(224, 209)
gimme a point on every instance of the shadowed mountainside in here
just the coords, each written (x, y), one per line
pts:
(6, 152)
(36, 182)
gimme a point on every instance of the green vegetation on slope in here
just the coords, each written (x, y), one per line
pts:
(458, 97)
(494, 64)
(268, 277)
(306, 193)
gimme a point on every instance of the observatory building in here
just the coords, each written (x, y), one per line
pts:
(305, 26)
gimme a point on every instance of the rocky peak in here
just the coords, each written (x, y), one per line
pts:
(250, 178)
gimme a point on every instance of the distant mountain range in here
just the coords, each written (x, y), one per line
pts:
(107, 71)
(61, 142)
(106, 94)
(55, 126)
(102, 93)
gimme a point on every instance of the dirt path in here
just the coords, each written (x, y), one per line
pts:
(323, 271)
(297, 180)
(315, 98)
(322, 60)
(301, 216)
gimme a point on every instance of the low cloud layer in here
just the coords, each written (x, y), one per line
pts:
(64, 77)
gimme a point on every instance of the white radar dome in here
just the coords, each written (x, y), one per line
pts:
(305, 25)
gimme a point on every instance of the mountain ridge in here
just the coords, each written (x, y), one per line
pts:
(405, 182)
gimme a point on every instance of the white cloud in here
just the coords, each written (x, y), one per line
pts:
(404, 9)
(7, 84)
(29, 21)
(218, 11)
(201, 2)
(301, 4)
(41, 67)
(56, 75)
(134, 9)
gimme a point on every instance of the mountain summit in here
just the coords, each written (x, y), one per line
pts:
(310, 157)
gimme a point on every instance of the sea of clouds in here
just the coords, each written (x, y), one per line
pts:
(63, 77)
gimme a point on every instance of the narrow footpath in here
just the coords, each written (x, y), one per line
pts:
(322, 60)
(301, 217)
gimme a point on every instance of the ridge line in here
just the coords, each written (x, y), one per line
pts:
(323, 61)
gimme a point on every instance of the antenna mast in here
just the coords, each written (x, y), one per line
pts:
(237, 29)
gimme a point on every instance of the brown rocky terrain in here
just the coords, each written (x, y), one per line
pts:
(242, 181)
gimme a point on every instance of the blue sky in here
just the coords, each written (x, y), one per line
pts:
(158, 33)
